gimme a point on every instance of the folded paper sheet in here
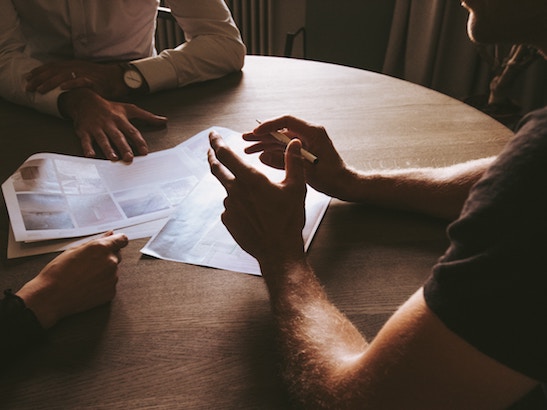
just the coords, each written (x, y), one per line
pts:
(53, 196)
(195, 234)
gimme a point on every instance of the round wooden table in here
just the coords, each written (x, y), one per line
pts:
(180, 336)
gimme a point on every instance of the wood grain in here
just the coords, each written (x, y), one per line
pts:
(185, 337)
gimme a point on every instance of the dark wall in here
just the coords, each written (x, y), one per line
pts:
(349, 32)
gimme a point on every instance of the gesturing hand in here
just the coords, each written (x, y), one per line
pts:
(329, 175)
(265, 218)
(77, 280)
(105, 79)
(107, 123)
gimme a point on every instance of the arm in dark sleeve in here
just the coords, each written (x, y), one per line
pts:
(490, 287)
(19, 327)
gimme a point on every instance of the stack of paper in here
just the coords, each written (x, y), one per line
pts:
(56, 201)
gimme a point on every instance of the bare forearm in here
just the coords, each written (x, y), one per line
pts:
(319, 344)
(439, 192)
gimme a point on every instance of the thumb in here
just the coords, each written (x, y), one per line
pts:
(117, 241)
(134, 112)
(294, 163)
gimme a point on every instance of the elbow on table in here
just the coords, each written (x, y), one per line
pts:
(238, 50)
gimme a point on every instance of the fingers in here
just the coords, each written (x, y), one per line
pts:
(284, 129)
(217, 168)
(99, 137)
(78, 82)
(227, 157)
(294, 164)
(115, 241)
(144, 117)
(264, 146)
(47, 77)
(272, 154)
(121, 137)
(115, 135)
(152, 119)
(105, 143)
(87, 144)
(46, 70)
(135, 113)
(59, 81)
(110, 243)
(120, 140)
(113, 244)
(267, 137)
(41, 80)
(296, 125)
(45, 86)
(67, 74)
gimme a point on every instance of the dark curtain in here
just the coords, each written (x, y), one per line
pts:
(428, 45)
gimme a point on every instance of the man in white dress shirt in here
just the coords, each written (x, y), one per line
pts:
(83, 60)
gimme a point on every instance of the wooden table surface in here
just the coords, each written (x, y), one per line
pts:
(179, 336)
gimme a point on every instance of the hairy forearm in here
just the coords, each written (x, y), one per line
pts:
(439, 192)
(321, 347)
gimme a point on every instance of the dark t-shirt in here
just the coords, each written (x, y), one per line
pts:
(490, 287)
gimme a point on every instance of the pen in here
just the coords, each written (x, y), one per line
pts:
(285, 140)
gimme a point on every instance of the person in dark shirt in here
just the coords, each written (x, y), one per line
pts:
(475, 335)
(77, 280)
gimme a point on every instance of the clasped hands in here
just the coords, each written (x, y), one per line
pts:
(90, 101)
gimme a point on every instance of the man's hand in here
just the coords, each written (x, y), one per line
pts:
(77, 280)
(107, 123)
(105, 79)
(265, 218)
(330, 175)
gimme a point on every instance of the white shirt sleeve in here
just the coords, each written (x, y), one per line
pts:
(15, 65)
(112, 31)
(213, 47)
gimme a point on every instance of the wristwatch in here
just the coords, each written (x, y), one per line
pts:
(133, 78)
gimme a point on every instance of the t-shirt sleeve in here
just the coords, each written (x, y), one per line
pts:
(490, 287)
(19, 327)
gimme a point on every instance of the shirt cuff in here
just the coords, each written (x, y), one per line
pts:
(158, 73)
(47, 102)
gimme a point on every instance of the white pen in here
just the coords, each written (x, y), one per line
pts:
(285, 140)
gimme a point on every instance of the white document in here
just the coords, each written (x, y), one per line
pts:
(22, 249)
(57, 201)
(195, 234)
(53, 196)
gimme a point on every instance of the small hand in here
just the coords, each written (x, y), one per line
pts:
(77, 280)
(105, 79)
(107, 123)
(265, 218)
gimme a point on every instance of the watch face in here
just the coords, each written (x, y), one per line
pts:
(133, 79)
